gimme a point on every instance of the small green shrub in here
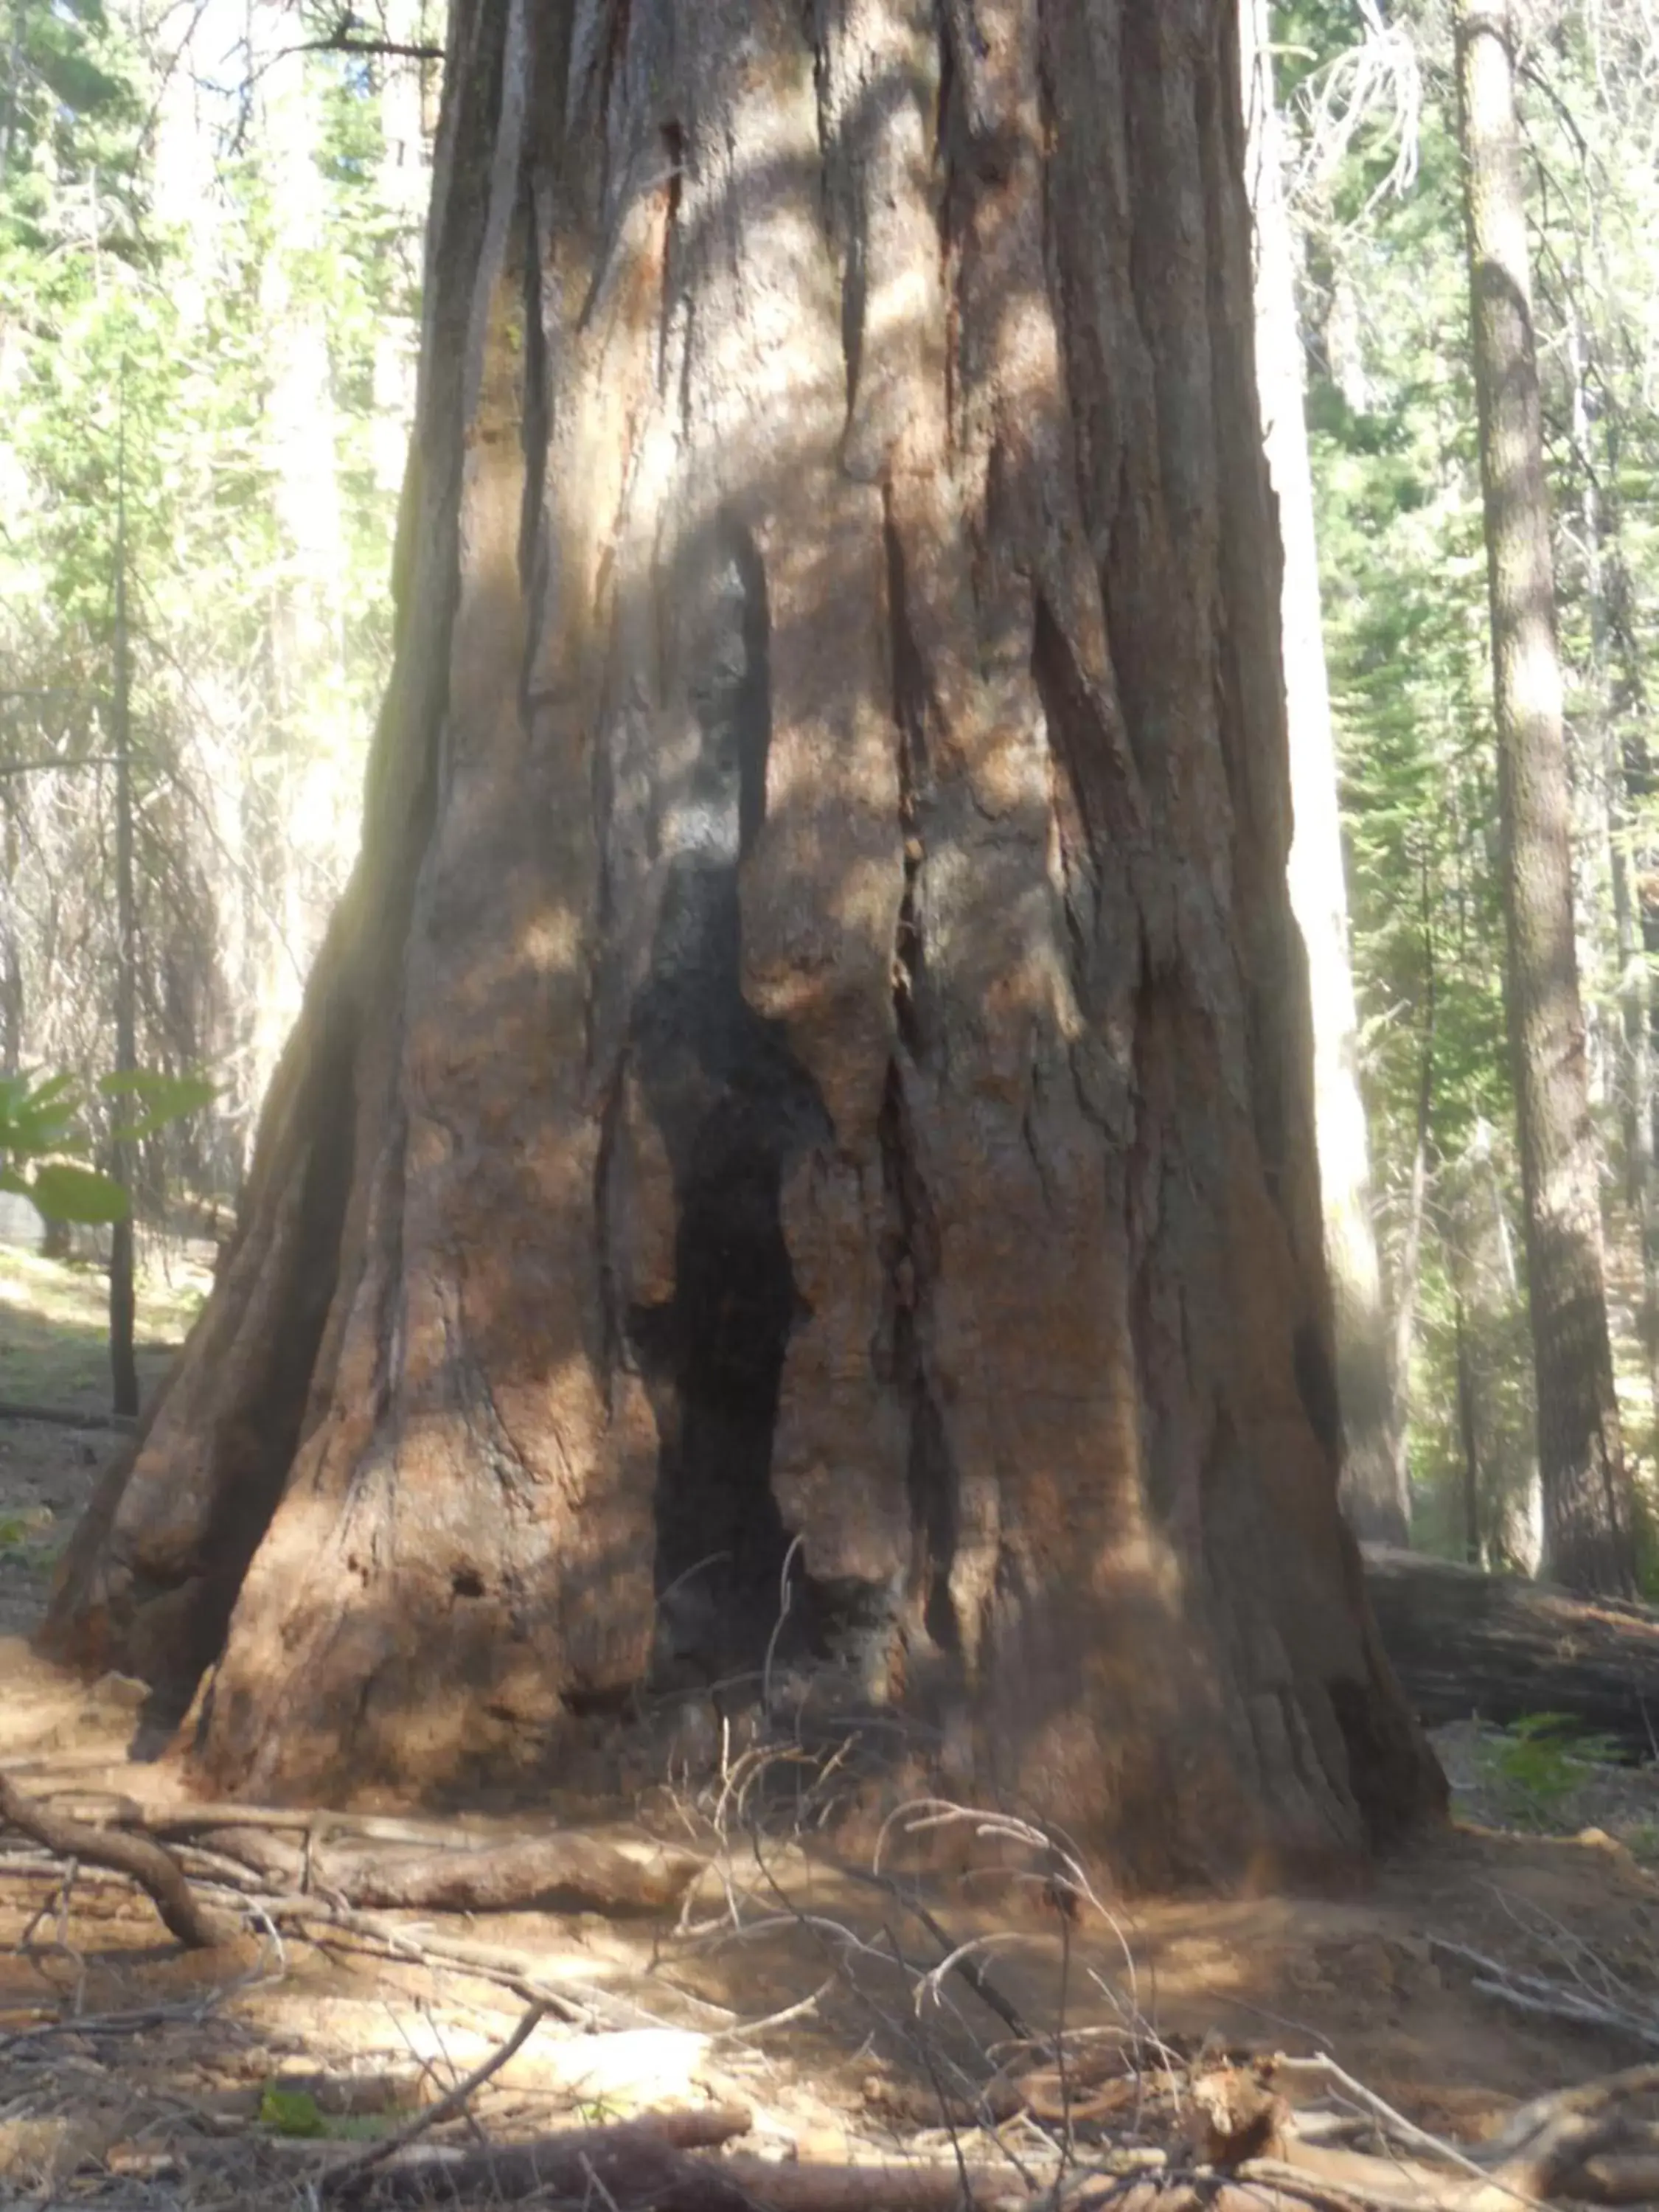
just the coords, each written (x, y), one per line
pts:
(290, 2111)
(1543, 1758)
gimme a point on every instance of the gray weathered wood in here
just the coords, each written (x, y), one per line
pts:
(1465, 1643)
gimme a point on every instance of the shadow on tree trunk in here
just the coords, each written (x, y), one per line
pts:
(809, 1089)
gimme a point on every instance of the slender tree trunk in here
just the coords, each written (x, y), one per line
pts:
(10, 83)
(1636, 1037)
(810, 1088)
(1377, 1502)
(11, 952)
(1409, 1271)
(1614, 704)
(123, 1306)
(404, 186)
(1588, 1535)
(294, 838)
(1468, 1432)
(1586, 735)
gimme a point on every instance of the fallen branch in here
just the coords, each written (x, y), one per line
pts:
(155, 1870)
(636, 2161)
(1549, 2143)
(1289, 2073)
(1397, 2188)
(491, 1962)
(1538, 1995)
(559, 1873)
(791, 2186)
(345, 2177)
(65, 1417)
(1579, 2142)
(320, 1822)
(442, 1870)
(577, 2006)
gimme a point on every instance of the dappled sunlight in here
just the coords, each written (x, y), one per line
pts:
(739, 1594)
(731, 1220)
(833, 1999)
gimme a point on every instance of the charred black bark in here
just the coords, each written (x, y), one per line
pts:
(826, 1192)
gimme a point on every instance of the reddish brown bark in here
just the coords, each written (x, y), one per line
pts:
(810, 1086)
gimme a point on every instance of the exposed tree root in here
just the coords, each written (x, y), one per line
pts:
(420, 1866)
(1113, 2116)
(155, 1870)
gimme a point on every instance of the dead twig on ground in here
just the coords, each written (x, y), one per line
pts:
(743, 2031)
(577, 2005)
(1288, 2073)
(345, 2176)
(1553, 2000)
(1548, 2143)
(425, 1866)
(636, 2161)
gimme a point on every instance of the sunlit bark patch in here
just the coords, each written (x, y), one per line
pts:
(832, 1203)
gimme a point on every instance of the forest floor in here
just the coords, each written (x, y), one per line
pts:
(54, 1353)
(1514, 1955)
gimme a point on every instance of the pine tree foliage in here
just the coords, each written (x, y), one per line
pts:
(1392, 422)
(209, 250)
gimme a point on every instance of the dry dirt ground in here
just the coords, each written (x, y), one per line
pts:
(134, 2073)
(53, 1353)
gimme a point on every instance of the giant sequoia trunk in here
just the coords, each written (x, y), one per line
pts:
(1588, 1539)
(809, 1089)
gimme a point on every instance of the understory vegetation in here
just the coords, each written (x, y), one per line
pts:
(1371, 100)
(209, 291)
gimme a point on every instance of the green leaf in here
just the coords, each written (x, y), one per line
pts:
(165, 1097)
(290, 2113)
(64, 1193)
(54, 1088)
(34, 1131)
(37, 1118)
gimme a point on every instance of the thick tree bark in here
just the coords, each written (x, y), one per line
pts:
(808, 1088)
(1587, 1509)
(1374, 1493)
